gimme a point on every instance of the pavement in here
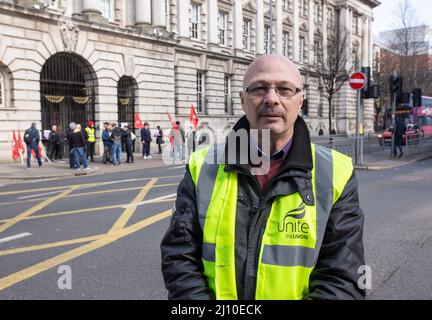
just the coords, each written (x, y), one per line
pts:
(378, 160)
(51, 170)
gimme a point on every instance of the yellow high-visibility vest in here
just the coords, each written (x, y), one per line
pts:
(293, 234)
(90, 134)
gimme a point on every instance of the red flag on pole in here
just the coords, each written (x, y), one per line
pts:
(20, 143)
(174, 125)
(138, 123)
(15, 147)
(193, 117)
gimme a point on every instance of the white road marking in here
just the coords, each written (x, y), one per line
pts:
(40, 194)
(149, 201)
(18, 236)
(176, 167)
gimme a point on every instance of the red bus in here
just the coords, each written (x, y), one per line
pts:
(422, 116)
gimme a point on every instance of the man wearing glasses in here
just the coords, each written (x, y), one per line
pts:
(293, 232)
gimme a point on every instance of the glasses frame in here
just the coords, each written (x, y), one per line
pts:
(297, 91)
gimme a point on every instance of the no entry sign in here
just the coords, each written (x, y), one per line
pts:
(357, 80)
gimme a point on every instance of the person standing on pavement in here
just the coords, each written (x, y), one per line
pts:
(127, 139)
(190, 140)
(116, 138)
(52, 142)
(59, 147)
(31, 139)
(91, 139)
(146, 141)
(292, 232)
(69, 134)
(178, 142)
(107, 143)
(399, 133)
(78, 145)
(159, 139)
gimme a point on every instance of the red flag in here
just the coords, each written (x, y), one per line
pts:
(174, 125)
(138, 123)
(15, 147)
(20, 143)
(193, 117)
(39, 150)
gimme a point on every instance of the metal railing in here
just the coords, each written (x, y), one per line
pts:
(351, 146)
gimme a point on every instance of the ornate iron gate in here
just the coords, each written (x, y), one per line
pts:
(68, 91)
(126, 101)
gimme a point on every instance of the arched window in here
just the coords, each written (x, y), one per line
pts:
(5, 87)
(126, 92)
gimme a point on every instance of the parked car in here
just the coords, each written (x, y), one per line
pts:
(412, 133)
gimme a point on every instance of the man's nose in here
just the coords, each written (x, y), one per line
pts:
(271, 97)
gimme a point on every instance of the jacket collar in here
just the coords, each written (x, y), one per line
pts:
(299, 156)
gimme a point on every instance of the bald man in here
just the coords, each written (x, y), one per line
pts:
(292, 232)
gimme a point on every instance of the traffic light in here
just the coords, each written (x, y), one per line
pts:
(395, 86)
(417, 97)
(365, 91)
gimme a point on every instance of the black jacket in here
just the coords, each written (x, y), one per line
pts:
(335, 274)
(145, 135)
(78, 139)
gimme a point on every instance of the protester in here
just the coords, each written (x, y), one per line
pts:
(178, 139)
(146, 141)
(191, 137)
(127, 139)
(91, 140)
(69, 134)
(59, 146)
(51, 143)
(116, 138)
(32, 138)
(78, 144)
(107, 143)
(159, 139)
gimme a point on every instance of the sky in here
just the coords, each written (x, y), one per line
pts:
(384, 14)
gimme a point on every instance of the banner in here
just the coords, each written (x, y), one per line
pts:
(15, 147)
(138, 123)
(174, 125)
(193, 117)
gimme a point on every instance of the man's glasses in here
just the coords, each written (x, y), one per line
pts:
(285, 90)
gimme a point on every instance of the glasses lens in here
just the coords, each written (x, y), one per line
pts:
(286, 90)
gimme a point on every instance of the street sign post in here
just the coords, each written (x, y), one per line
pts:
(357, 81)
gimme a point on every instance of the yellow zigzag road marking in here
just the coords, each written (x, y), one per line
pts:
(72, 254)
(34, 209)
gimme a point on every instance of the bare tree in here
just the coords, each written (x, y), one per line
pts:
(407, 41)
(333, 69)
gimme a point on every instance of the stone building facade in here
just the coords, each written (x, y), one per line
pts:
(104, 60)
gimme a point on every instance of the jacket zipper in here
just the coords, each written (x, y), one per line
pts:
(255, 238)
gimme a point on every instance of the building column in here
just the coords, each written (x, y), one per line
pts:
(238, 25)
(212, 22)
(345, 31)
(296, 30)
(365, 42)
(370, 40)
(142, 12)
(182, 18)
(279, 27)
(311, 33)
(91, 7)
(158, 13)
(324, 31)
(129, 14)
(259, 37)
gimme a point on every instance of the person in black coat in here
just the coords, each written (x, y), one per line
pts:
(146, 140)
(159, 139)
(127, 140)
(399, 132)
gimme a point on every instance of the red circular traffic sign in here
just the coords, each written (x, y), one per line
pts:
(357, 80)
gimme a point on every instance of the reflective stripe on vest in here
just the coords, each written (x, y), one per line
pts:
(294, 231)
(90, 134)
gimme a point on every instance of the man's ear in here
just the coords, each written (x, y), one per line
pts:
(242, 98)
(301, 99)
